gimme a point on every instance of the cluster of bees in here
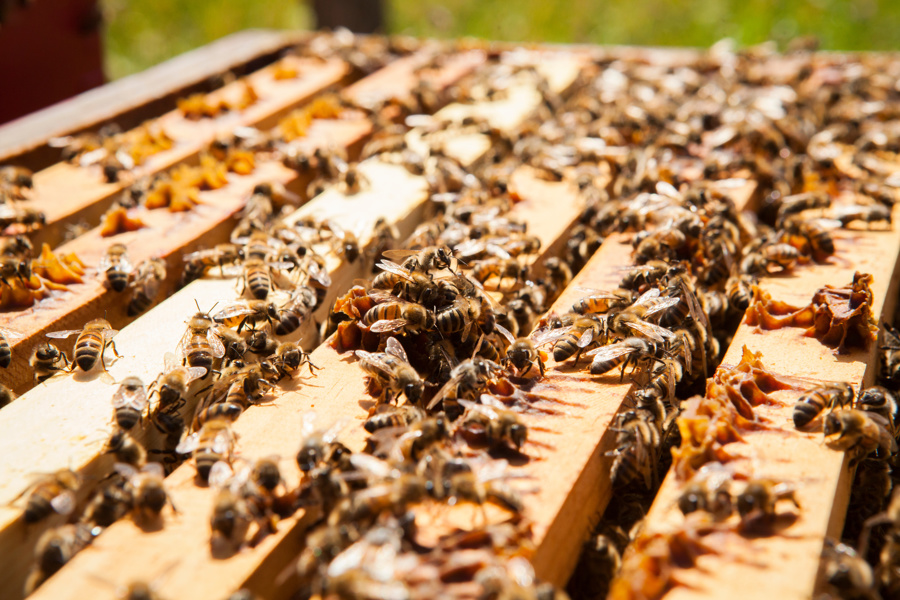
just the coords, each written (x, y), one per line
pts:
(451, 332)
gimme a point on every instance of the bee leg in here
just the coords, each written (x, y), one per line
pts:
(541, 365)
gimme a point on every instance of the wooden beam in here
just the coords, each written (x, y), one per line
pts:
(171, 235)
(790, 560)
(68, 193)
(136, 98)
(337, 389)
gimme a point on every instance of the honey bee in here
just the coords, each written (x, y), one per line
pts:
(849, 429)
(811, 404)
(881, 401)
(637, 448)
(346, 243)
(117, 267)
(631, 320)
(890, 355)
(631, 350)
(172, 385)
(223, 409)
(144, 283)
(522, 354)
(46, 361)
(247, 312)
(847, 572)
(384, 237)
(126, 449)
(758, 500)
(644, 276)
(491, 419)
(26, 216)
(599, 302)
(91, 343)
(797, 203)
(392, 373)
(467, 381)
(740, 291)
(54, 549)
(407, 284)
(432, 258)
(289, 357)
(710, 495)
(52, 493)
(196, 264)
(213, 443)
(868, 213)
(461, 315)
(147, 490)
(809, 236)
(572, 339)
(397, 314)
(394, 416)
(230, 521)
(257, 278)
(783, 255)
(129, 402)
(318, 446)
(13, 268)
(17, 176)
(200, 346)
(108, 504)
(6, 395)
(289, 317)
(484, 485)
(491, 273)
(16, 246)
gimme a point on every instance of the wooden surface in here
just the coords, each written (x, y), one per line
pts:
(785, 566)
(130, 100)
(272, 428)
(68, 193)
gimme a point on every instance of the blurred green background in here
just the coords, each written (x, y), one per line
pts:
(141, 34)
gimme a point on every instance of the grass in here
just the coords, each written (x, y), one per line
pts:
(142, 33)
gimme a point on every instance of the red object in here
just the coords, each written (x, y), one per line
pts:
(50, 50)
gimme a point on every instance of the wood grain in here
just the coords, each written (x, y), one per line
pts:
(790, 561)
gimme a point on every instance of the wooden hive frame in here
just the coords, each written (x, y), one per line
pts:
(573, 478)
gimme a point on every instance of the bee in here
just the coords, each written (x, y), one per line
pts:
(173, 383)
(317, 446)
(126, 449)
(890, 355)
(147, 491)
(631, 350)
(384, 238)
(213, 443)
(491, 273)
(289, 357)
(52, 493)
(809, 236)
(16, 246)
(144, 283)
(880, 401)
(572, 339)
(484, 486)
(522, 354)
(230, 521)
(129, 402)
(709, 496)
(408, 284)
(460, 315)
(491, 419)
(637, 448)
(644, 276)
(27, 216)
(394, 416)
(868, 213)
(432, 258)
(783, 255)
(257, 278)
(599, 302)
(91, 343)
(740, 291)
(18, 176)
(467, 381)
(6, 395)
(797, 203)
(391, 372)
(117, 267)
(392, 494)
(221, 255)
(46, 361)
(223, 409)
(848, 572)
(346, 243)
(811, 404)
(397, 314)
(247, 312)
(13, 268)
(757, 502)
(200, 346)
(54, 549)
(862, 432)
(108, 504)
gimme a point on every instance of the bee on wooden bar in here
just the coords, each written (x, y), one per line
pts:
(881, 401)
(860, 432)
(126, 449)
(54, 549)
(289, 357)
(599, 302)
(318, 446)
(499, 425)
(200, 346)
(129, 402)
(757, 502)
(213, 443)
(868, 213)
(391, 372)
(5, 350)
(196, 264)
(792, 205)
(6, 395)
(117, 267)
(13, 269)
(393, 416)
(52, 493)
(109, 503)
(890, 356)
(432, 258)
(173, 383)
(572, 339)
(811, 404)
(26, 216)
(522, 354)
(848, 572)
(637, 448)
(91, 343)
(144, 283)
(147, 491)
(247, 312)
(346, 243)
(230, 521)
(631, 350)
(396, 314)
(740, 292)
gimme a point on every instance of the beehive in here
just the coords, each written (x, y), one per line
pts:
(489, 105)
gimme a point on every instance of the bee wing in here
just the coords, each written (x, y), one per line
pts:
(387, 325)
(154, 469)
(171, 363)
(108, 334)
(469, 248)
(222, 442)
(308, 423)
(441, 393)
(9, 334)
(506, 333)
(647, 297)
(395, 348)
(64, 503)
(336, 228)
(380, 469)
(662, 305)
(696, 309)
(586, 338)
(125, 470)
(195, 373)
(220, 474)
(218, 348)
(398, 254)
(199, 255)
(651, 331)
(235, 310)
(104, 264)
(188, 444)
(318, 274)
(497, 251)
(610, 352)
(547, 336)
(94, 156)
(136, 399)
(332, 432)
(521, 571)
(394, 268)
(63, 334)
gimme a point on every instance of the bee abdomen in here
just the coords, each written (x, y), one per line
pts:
(259, 284)
(806, 409)
(288, 322)
(126, 418)
(5, 355)
(118, 280)
(37, 508)
(139, 303)
(87, 351)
